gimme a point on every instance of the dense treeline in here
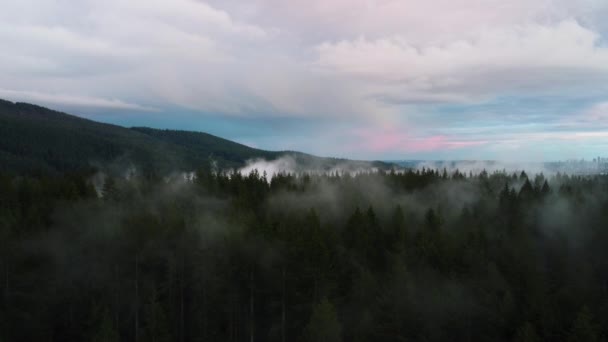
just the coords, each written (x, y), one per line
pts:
(413, 256)
(37, 140)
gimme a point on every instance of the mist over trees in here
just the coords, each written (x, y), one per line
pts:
(388, 256)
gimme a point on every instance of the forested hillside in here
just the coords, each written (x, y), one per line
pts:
(411, 256)
(37, 140)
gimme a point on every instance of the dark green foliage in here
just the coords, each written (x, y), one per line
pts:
(156, 325)
(324, 325)
(37, 140)
(527, 333)
(228, 153)
(412, 256)
(583, 328)
(103, 327)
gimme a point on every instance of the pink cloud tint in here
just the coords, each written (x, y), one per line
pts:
(392, 140)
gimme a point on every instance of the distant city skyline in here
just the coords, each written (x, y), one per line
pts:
(512, 80)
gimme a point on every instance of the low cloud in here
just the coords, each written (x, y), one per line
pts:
(350, 65)
(71, 101)
(286, 164)
(494, 62)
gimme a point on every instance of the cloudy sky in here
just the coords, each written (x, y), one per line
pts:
(387, 79)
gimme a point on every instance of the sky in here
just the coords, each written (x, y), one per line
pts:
(517, 80)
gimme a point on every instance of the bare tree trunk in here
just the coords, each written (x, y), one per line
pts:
(71, 316)
(7, 287)
(234, 318)
(172, 274)
(116, 297)
(137, 297)
(237, 317)
(231, 323)
(251, 307)
(204, 308)
(284, 307)
(181, 296)
(315, 292)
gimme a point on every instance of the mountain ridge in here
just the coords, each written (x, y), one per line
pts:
(35, 139)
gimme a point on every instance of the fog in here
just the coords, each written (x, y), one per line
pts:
(417, 254)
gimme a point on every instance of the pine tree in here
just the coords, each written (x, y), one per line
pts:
(526, 333)
(583, 329)
(104, 330)
(433, 220)
(156, 324)
(526, 193)
(523, 176)
(398, 235)
(110, 190)
(545, 190)
(323, 325)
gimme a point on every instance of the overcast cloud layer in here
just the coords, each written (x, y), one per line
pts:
(409, 79)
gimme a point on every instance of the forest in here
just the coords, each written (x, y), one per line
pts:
(410, 255)
(36, 140)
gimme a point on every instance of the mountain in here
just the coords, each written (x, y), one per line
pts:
(34, 139)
